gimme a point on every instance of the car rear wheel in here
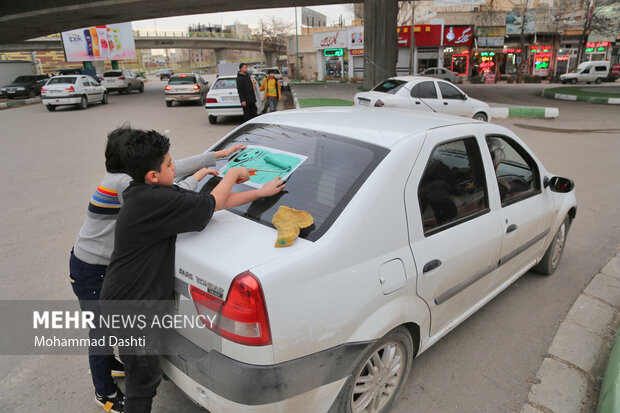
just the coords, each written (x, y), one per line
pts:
(480, 116)
(141, 88)
(212, 119)
(377, 381)
(573, 81)
(598, 81)
(104, 98)
(51, 108)
(169, 103)
(83, 103)
(550, 261)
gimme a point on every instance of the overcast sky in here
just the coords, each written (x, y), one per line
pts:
(249, 17)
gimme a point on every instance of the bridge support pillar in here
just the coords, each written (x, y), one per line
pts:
(220, 54)
(270, 59)
(380, 40)
(114, 64)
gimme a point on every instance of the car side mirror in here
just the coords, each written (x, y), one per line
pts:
(464, 96)
(559, 184)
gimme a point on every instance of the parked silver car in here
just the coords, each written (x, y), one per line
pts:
(122, 81)
(186, 87)
(442, 73)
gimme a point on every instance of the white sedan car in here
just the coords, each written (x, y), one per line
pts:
(422, 93)
(419, 220)
(223, 99)
(74, 90)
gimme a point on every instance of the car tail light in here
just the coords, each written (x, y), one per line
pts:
(121, 78)
(196, 87)
(167, 87)
(379, 103)
(43, 90)
(211, 100)
(242, 318)
(70, 89)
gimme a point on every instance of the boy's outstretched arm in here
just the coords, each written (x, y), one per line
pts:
(224, 199)
(269, 189)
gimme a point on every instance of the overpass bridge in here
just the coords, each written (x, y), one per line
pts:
(21, 20)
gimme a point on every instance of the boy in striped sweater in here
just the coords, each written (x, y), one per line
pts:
(93, 247)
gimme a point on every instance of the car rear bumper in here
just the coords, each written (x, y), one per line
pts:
(222, 384)
(224, 110)
(59, 100)
(183, 97)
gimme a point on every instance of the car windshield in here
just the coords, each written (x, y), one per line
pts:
(70, 80)
(24, 79)
(259, 76)
(389, 86)
(115, 73)
(323, 184)
(276, 71)
(225, 84)
(182, 80)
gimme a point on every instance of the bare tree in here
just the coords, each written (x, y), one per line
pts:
(522, 6)
(274, 31)
(601, 16)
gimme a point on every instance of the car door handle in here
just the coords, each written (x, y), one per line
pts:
(445, 103)
(511, 228)
(431, 265)
(417, 102)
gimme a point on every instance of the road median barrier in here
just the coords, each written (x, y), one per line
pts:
(609, 95)
(524, 112)
(21, 102)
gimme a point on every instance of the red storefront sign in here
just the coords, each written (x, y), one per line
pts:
(356, 52)
(425, 35)
(616, 68)
(458, 35)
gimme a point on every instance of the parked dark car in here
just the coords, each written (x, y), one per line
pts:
(26, 85)
(165, 74)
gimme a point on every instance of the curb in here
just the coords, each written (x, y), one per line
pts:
(295, 100)
(4, 105)
(519, 112)
(589, 99)
(570, 375)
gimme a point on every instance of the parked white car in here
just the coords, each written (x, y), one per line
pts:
(422, 93)
(186, 87)
(223, 99)
(442, 73)
(412, 234)
(587, 72)
(75, 90)
(122, 81)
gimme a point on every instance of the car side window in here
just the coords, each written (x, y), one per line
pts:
(424, 90)
(449, 91)
(85, 82)
(452, 189)
(600, 68)
(516, 171)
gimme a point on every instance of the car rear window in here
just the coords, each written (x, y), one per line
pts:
(225, 84)
(182, 80)
(115, 73)
(70, 80)
(389, 86)
(323, 184)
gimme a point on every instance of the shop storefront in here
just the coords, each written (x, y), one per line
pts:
(428, 52)
(597, 51)
(332, 54)
(510, 60)
(541, 57)
(485, 62)
(566, 60)
(356, 52)
(457, 41)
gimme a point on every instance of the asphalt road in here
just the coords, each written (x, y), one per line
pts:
(52, 161)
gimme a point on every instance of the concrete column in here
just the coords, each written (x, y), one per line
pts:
(380, 40)
(220, 54)
(270, 59)
(114, 64)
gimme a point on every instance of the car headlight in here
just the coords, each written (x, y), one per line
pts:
(20, 88)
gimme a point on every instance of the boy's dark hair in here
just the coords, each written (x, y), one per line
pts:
(116, 138)
(144, 151)
(241, 65)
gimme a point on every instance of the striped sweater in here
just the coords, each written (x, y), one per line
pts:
(95, 241)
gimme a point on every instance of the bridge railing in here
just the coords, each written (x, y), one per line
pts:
(167, 33)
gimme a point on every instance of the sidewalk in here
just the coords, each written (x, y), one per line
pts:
(308, 95)
(607, 93)
(569, 379)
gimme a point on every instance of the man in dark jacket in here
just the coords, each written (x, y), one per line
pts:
(245, 88)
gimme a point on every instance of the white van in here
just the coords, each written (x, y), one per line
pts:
(587, 72)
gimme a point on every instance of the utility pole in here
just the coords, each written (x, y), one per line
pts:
(521, 64)
(297, 47)
(412, 41)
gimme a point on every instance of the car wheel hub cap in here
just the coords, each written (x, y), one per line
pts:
(559, 245)
(378, 380)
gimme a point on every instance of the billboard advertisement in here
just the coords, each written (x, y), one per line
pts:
(514, 22)
(106, 42)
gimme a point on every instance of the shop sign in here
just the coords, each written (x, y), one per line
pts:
(458, 35)
(491, 31)
(596, 46)
(356, 37)
(329, 40)
(356, 52)
(490, 77)
(616, 68)
(539, 49)
(542, 60)
(512, 50)
(425, 35)
(490, 41)
(333, 52)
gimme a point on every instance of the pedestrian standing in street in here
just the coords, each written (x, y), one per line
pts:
(245, 89)
(272, 90)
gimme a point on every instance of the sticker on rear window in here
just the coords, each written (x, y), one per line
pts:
(267, 162)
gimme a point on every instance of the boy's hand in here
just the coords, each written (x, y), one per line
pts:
(201, 173)
(228, 151)
(272, 187)
(242, 174)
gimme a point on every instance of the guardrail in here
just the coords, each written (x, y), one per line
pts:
(160, 33)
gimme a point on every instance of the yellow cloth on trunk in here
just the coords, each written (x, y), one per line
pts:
(288, 222)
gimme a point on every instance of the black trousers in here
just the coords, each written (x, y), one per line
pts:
(142, 377)
(249, 111)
